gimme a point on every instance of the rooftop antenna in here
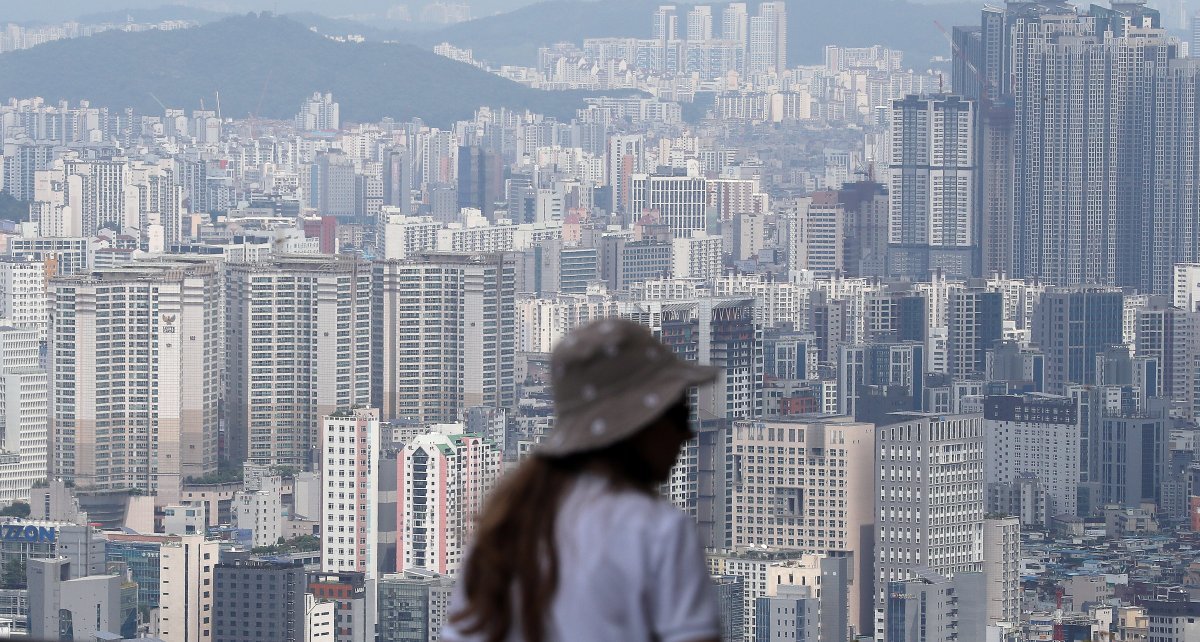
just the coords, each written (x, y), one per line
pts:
(218, 92)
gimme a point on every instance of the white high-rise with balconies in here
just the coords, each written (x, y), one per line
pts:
(679, 200)
(135, 367)
(24, 405)
(445, 335)
(930, 503)
(23, 302)
(349, 447)
(298, 347)
(442, 479)
(806, 485)
(767, 46)
(319, 112)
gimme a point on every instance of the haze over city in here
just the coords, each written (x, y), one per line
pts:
(382, 321)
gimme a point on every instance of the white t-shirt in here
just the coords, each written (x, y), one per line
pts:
(631, 569)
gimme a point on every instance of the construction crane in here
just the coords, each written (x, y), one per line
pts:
(983, 84)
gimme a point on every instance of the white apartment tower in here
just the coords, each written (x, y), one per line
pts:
(666, 23)
(735, 23)
(933, 172)
(442, 480)
(445, 335)
(817, 235)
(258, 508)
(930, 504)
(23, 301)
(24, 406)
(626, 157)
(349, 450)
(318, 113)
(1186, 291)
(135, 367)
(298, 347)
(806, 485)
(767, 48)
(680, 201)
(699, 23)
(1035, 435)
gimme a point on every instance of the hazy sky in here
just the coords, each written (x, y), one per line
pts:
(59, 10)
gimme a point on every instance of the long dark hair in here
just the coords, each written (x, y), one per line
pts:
(515, 552)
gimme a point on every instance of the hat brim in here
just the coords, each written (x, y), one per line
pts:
(623, 414)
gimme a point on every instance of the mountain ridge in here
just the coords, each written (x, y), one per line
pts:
(264, 65)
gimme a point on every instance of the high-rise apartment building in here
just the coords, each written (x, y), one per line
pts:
(1171, 336)
(135, 367)
(398, 179)
(332, 186)
(759, 569)
(442, 480)
(626, 157)
(1032, 435)
(1195, 48)
(699, 23)
(298, 348)
(24, 414)
(318, 113)
(1186, 291)
(699, 256)
(767, 46)
(995, 200)
(679, 200)
(94, 190)
(735, 23)
(666, 23)
(1112, 212)
(23, 293)
(349, 447)
(187, 566)
(930, 504)
(445, 335)
(480, 179)
(974, 323)
(817, 234)
(1072, 326)
(806, 485)
(1131, 455)
(23, 158)
(1106, 216)
(932, 221)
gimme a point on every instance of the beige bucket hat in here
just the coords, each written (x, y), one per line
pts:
(611, 379)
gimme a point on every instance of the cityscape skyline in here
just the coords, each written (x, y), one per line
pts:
(259, 374)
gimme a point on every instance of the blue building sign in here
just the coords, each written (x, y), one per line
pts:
(23, 533)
